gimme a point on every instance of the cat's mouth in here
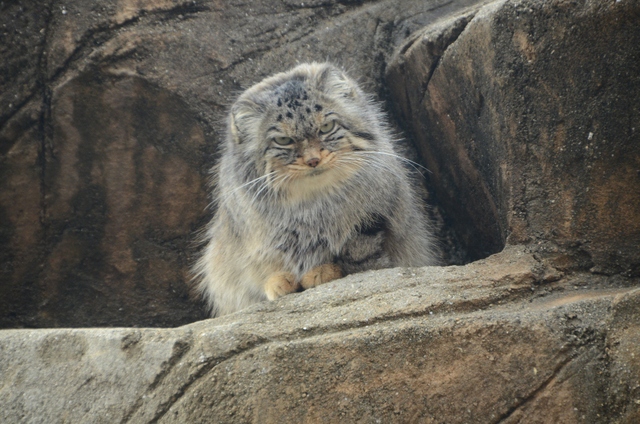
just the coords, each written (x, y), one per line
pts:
(311, 164)
(303, 181)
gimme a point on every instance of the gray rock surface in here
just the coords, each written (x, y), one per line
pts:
(493, 341)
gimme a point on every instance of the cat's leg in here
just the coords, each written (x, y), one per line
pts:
(280, 284)
(320, 275)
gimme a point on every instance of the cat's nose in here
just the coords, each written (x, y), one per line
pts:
(312, 154)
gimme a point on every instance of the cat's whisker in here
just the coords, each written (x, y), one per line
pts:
(415, 165)
(224, 196)
(369, 155)
(268, 185)
(278, 183)
(272, 186)
(286, 178)
(257, 194)
(353, 163)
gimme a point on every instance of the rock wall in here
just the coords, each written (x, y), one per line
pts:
(108, 119)
(525, 113)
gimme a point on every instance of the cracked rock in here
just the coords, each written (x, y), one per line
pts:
(461, 344)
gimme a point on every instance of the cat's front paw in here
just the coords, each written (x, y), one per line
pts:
(320, 275)
(280, 284)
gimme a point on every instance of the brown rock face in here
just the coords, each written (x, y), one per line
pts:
(121, 202)
(526, 114)
(526, 119)
(108, 119)
(119, 193)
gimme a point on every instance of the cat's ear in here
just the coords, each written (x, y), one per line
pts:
(242, 120)
(335, 82)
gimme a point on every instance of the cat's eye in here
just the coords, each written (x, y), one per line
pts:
(327, 126)
(283, 141)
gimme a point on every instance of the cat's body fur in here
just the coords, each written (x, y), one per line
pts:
(334, 199)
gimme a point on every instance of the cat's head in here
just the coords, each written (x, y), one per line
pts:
(305, 128)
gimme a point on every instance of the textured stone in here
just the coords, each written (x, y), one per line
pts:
(528, 132)
(109, 114)
(487, 342)
(526, 114)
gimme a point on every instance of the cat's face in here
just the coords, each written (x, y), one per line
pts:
(306, 129)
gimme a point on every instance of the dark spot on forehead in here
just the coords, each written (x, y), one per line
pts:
(318, 108)
(294, 104)
(291, 91)
(279, 118)
(289, 115)
(279, 102)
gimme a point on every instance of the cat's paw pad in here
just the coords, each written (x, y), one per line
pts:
(320, 275)
(280, 284)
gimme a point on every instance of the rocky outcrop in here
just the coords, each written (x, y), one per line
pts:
(108, 119)
(493, 341)
(525, 113)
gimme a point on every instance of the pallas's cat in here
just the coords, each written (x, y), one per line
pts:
(309, 188)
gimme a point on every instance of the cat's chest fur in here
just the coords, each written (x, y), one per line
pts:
(315, 231)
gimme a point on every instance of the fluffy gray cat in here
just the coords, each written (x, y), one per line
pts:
(309, 189)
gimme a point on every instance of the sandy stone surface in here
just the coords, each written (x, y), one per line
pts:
(494, 341)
